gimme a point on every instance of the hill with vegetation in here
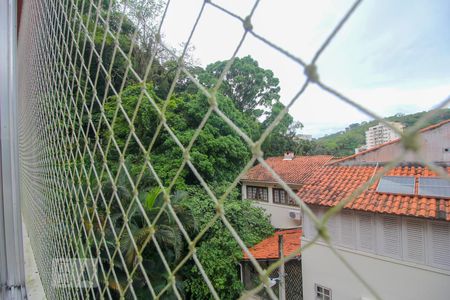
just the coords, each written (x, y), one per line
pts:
(344, 142)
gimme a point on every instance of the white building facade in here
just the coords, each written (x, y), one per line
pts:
(264, 191)
(283, 211)
(399, 257)
(395, 234)
(381, 133)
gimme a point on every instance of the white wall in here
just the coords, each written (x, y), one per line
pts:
(402, 257)
(416, 240)
(392, 280)
(433, 144)
(279, 214)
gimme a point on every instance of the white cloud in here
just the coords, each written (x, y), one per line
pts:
(322, 113)
(382, 58)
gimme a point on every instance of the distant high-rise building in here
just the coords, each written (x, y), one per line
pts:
(305, 137)
(382, 133)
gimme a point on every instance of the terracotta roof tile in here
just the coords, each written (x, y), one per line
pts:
(333, 183)
(294, 171)
(268, 248)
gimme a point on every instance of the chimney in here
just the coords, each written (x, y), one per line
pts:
(288, 155)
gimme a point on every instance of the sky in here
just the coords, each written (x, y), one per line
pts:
(392, 56)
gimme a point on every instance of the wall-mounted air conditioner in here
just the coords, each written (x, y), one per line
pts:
(295, 214)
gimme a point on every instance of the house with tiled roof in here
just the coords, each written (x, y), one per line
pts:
(395, 234)
(267, 252)
(268, 249)
(259, 186)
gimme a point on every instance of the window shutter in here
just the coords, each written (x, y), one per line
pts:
(312, 231)
(333, 229)
(308, 227)
(366, 232)
(347, 229)
(319, 211)
(305, 226)
(391, 238)
(440, 245)
(414, 240)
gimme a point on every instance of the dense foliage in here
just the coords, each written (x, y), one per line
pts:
(133, 152)
(119, 123)
(218, 250)
(252, 88)
(217, 154)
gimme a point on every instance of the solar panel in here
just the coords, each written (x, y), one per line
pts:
(434, 186)
(396, 185)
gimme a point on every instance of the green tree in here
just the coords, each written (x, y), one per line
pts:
(144, 15)
(218, 153)
(165, 231)
(253, 88)
(218, 251)
(281, 138)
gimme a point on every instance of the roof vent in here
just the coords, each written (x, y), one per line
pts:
(288, 155)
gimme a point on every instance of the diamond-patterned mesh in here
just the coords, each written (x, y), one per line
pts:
(79, 191)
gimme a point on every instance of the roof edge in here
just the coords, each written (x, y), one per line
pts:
(428, 128)
(440, 215)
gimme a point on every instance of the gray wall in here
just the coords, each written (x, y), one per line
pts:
(433, 144)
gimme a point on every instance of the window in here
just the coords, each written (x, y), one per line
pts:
(308, 227)
(396, 185)
(390, 242)
(333, 228)
(440, 245)
(414, 240)
(280, 196)
(257, 193)
(366, 231)
(348, 230)
(435, 187)
(323, 293)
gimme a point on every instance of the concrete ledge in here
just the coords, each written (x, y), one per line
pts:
(33, 283)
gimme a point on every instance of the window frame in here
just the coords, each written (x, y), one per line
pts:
(384, 223)
(264, 193)
(287, 200)
(320, 294)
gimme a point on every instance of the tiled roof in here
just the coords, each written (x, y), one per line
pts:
(294, 171)
(333, 183)
(431, 127)
(268, 248)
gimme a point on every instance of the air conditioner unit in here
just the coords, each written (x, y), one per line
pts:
(294, 214)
